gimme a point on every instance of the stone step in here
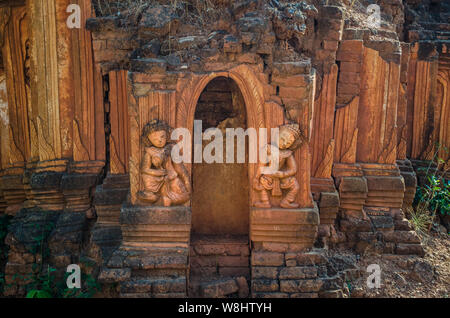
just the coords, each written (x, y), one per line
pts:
(220, 247)
(213, 258)
(143, 285)
(219, 287)
(210, 271)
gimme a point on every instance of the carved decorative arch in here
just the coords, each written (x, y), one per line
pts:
(251, 90)
(248, 84)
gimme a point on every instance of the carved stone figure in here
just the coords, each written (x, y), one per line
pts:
(272, 183)
(164, 181)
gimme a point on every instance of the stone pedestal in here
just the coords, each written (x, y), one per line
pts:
(151, 226)
(153, 258)
(296, 227)
(279, 237)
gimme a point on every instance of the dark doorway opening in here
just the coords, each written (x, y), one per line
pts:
(220, 200)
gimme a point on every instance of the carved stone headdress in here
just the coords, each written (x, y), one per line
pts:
(152, 126)
(296, 132)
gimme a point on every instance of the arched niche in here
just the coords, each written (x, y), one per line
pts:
(220, 196)
(252, 93)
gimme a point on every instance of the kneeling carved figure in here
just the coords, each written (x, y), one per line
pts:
(164, 180)
(290, 138)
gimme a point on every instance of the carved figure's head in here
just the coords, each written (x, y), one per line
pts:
(156, 133)
(290, 137)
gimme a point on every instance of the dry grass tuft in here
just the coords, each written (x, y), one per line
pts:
(421, 220)
(113, 7)
(197, 12)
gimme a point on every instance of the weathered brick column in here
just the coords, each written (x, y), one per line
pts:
(153, 258)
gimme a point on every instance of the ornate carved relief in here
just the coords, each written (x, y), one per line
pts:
(388, 154)
(345, 143)
(119, 137)
(135, 149)
(164, 181)
(34, 139)
(322, 144)
(44, 83)
(402, 142)
(176, 106)
(16, 50)
(80, 152)
(423, 130)
(46, 151)
(269, 185)
(252, 93)
(15, 154)
(326, 165)
(117, 166)
(157, 105)
(380, 80)
(249, 85)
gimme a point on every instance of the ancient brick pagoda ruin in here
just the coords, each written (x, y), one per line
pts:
(86, 115)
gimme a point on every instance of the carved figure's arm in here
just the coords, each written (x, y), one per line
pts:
(291, 166)
(147, 164)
